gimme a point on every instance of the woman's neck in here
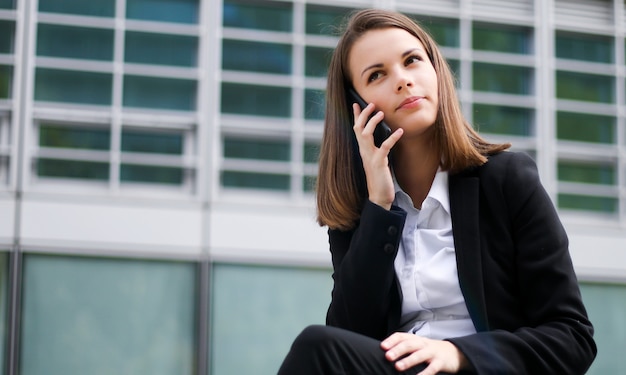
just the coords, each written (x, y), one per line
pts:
(415, 165)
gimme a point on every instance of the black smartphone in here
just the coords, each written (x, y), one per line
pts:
(382, 130)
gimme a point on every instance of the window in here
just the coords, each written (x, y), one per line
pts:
(501, 38)
(98, 8)
(159, 93)
(256, 100)
(72, 86)
(250, 14)
(582, 183)
(585, 127)
(4, 304)
(6, 77)
(161, 49)
(503, 119)
(506, 79)
(74, 42)
(584, 47)
(585, 87)
(115, 316)
(7, 33)
(178, 11)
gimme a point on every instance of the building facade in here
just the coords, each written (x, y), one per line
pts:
(157, 159)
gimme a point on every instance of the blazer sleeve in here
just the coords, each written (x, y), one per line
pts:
(363, 272)
(554, 334)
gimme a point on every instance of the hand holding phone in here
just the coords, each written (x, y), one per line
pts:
(382, 130)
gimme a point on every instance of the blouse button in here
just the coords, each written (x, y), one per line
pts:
(388, 248)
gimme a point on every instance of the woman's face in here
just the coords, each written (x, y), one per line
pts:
(390, 68)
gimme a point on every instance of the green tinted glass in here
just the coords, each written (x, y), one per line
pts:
(7, 36)
(74, 42)
(585, 47)
(308, 183)
(444, 31)
(4, 303)
(324, 20)
(588, 203)
(100, 8)
(502, 78)
(252, 180)
(88, 170)
(256, 56)
(585, 87)
(584, 127)
(257, 149)
(264, 15)
(71, 86)
(314, 104)
(256, 100)
(7, 4)
(503, 119)
(160, 49)
(115, 316)
(501, 38)
(151, 174)
(606, 304)
(159, 93)
(6, 77)
(455, 68)
(152, 142)
(316, 60)
(298, 297)
(179, 11)
(603, 174)
(311, 152)
(74, 137)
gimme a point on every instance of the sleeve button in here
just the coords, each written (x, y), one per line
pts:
(388, 248)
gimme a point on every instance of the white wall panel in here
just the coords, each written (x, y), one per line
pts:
(7, 220)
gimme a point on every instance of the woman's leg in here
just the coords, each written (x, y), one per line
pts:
(325, 350)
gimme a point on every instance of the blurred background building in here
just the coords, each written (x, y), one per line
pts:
(157, 160)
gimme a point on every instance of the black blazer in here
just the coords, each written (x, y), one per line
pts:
(514, 270)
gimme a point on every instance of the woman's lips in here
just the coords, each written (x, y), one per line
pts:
(411, 102)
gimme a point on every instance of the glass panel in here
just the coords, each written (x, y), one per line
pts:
(584, 127)
(252, 180)
(316, 61)
(324, 20)
(114, 316)
(159, 93)
(502, 120)
(74, 137)
(256, 56)
(501, 38)
(279, 303)
(256, 100)
(180, 11)
(604, 174)
(101, 8)
(151, 174)
(73, 86)
(444, 31)
(606, 305)
(455, 67)
(251, 14)
(502, 78)
(586, 87)
(6, 76)
(4, 304)
(308, 182)
(314, 104)
(7, 4)
(257, 149)
(311, 152)
(595, 48)
(89, 170)
(588, 203)
(152, 142)
(160, 49)
(74, 42)
(7, 35)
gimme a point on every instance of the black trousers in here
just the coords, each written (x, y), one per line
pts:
(325, 350)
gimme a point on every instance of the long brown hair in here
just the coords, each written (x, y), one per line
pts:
(341, 190)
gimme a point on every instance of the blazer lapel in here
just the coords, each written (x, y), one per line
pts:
(465, 227)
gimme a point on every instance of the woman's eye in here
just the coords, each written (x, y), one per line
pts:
(412, 59)
(374, 76)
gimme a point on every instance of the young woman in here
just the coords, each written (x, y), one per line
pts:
(448, 254)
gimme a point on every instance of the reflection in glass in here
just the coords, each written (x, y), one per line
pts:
(501, 38)
(70, 86)
(99, 8)
(74, 42)
(584, 127)
(74, 137)
(256, 56)
(444, 31)
(253, 180)
(256, 100)
(179, 11)
(587, 203)
(265, 15)
(588, 173)
(502, 119)
(585, 47)
(107, 316)
(502, 78)
(585, 87)
(160, 49)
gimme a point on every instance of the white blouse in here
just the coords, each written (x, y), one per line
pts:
(432, 303)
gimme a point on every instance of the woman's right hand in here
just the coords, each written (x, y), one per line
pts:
(375, 160)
